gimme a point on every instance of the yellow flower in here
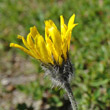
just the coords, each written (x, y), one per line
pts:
(52, 52)
(54, 48)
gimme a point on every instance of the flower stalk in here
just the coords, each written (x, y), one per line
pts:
(70, 95)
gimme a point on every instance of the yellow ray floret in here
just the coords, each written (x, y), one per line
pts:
(54, 48)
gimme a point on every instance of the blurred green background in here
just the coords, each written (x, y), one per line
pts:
(22, 82)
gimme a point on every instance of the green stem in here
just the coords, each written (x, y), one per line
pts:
(70, 95)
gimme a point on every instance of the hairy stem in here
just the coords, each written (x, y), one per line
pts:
(70, 95)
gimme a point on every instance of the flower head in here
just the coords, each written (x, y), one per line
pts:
(51, 51)
(54, 48)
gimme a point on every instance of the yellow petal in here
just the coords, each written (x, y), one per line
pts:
(23, 49)
(63, 28)
(49, 53)
(52, 48)
(68, 35)
(54, 34)
(68, 38)
(46, 33)
(60, 60)
(61, 20)
(23, 40)
(72, 26)
(66, 43)
(71, 20)
(29, 40)
(31, 45)
(36, 44)
(63, 25)
(33, 31)
(43, 49)
(64, 48)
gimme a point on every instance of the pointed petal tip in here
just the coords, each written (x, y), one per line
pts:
(61, 19)
(19, 37)
(11, 44)
(61, 16)
(73, 15)
(47, 22)
(76, 23)
(33, 27)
